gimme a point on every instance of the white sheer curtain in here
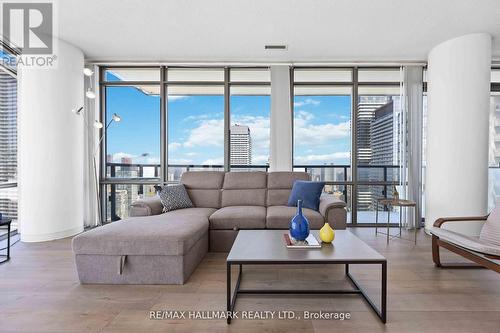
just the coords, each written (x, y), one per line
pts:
(413, 118)
(91, 138)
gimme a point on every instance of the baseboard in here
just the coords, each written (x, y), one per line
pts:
(50, 236)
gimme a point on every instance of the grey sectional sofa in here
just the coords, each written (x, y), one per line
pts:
(152, 247)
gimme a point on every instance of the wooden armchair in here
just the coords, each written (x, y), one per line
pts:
(484, 253)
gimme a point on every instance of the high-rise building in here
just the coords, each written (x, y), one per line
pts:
(366, 114)
(241, 145)
(8, 143)
(378, 145)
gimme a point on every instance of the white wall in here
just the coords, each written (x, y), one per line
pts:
(281, 120)
(50, 148)
(457, 130)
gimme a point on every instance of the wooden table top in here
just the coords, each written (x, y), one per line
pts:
(268, 246)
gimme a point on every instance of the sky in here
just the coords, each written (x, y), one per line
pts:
(196, 123)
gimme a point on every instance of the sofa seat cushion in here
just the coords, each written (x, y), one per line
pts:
(239, 217)
(471, 243)
(171, 233)
(279, 217)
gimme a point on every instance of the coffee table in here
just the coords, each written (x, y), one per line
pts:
(266, 247)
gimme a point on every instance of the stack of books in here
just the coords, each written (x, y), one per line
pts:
(309, 243)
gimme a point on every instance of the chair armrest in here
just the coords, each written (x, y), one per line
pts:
(146, 207)
(439, 222)
(333, 211)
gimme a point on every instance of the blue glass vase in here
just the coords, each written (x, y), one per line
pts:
(299, 225)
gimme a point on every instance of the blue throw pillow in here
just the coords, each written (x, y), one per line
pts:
(307, 191)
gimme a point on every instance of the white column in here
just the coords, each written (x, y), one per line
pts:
(281, 120)
(457, 130)
(50, 148)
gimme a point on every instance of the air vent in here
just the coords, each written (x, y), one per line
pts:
(276, 47)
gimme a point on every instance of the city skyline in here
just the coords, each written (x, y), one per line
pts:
(322, 127)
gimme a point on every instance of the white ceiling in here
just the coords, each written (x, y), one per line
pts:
(237, 30)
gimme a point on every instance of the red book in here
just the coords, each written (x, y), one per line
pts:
(288, 241)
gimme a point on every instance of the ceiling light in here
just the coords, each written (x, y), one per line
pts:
(90, 94)
(88, 72)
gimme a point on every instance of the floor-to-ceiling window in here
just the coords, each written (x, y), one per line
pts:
(347, 129)
(131, 112)
(379, 138)
(322, 134)
(8, 135)
(494, 145)
(162, 121)
(347, 118)
(250, 111)
(195, 113)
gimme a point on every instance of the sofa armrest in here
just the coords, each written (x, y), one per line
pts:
(333, 211)
(146, 207)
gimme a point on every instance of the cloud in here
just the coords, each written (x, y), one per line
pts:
(306, 132)
(192, 153)
(174, 146)
(214, 161)
(117, 157)
(307, 101)
(322, 158)
(207, 133)
(260, 159)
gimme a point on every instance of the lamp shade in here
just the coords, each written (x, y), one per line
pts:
(87, 71)
(90, 94)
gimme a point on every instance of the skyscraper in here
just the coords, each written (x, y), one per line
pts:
(241, 145)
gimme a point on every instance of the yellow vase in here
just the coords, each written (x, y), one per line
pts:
(326, 233)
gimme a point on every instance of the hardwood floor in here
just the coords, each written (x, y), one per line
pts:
(40, 292)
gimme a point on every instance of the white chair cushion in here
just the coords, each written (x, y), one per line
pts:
(491, 229)
(471, 243)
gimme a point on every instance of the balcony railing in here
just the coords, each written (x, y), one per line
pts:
(334, 175)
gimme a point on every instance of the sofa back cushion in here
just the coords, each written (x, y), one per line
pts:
(491, 229)
(244, 189)
(279, 185)
(204, 187)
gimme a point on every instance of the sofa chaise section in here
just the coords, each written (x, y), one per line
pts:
(157, 249)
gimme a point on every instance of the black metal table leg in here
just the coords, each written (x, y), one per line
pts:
(231, 299)
(383, 316)
(381, 312)
(228, 291)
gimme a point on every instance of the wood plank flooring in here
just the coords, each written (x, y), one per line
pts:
(40, 292)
